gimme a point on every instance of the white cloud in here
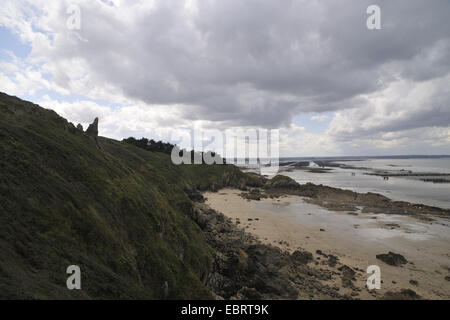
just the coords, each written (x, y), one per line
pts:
(402, 105)
(161, 64)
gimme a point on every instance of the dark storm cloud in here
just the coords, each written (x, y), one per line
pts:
(259, 62)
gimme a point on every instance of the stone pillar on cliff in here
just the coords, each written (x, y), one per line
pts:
(92, 131)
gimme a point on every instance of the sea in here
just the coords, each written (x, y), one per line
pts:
(366, 174)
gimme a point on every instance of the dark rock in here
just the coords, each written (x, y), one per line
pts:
(281, 182)
(392, 259)
(319, 252)
(414, 282)
(92, 130)
(392, 225)
(254, 194)
(71, 128)
(302, 257)
(332, 260)
(348, 275)
(404, 294)
(80, 127)
(194, 195)
(244, 268)
(301, 164)
(447, 278)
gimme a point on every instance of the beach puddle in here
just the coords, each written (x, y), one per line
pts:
(361, 227)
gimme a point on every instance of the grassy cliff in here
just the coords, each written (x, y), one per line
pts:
(119, 212)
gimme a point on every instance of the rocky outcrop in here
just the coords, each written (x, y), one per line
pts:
(253, 194)
(80, 127)
(392, 259)
(345, 200)
(244, 268)
(194, 194)
(404, 294)
(332, 260)
(302, 257)
(414, 282)
(92, 130)
(348, 276)
(281, 182)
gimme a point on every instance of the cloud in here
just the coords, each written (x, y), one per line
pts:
(403, 105)
(243, 63)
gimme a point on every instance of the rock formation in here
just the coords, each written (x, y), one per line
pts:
(92, 130)
(392, 259)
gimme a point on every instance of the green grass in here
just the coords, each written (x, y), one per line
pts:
(120, 213)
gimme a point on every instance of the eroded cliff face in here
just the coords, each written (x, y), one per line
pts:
(117, 213)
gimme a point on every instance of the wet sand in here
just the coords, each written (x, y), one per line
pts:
(355, 238)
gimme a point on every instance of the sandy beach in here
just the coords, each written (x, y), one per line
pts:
(291, 223)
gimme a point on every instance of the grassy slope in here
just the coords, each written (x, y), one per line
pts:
(120, 213)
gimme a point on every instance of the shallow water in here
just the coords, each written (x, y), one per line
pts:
(291, 223)
(441, 165)
(361, 227)
(396, 188)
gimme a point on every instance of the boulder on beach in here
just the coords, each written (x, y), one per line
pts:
(348, 275)
(332, 260)
(302, 257)
(404, 294)
(414, 282)
(393, 259)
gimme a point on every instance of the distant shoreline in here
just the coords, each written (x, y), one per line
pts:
(359, 158)
(420, 181)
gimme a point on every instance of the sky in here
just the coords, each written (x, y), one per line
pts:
(312, 69)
